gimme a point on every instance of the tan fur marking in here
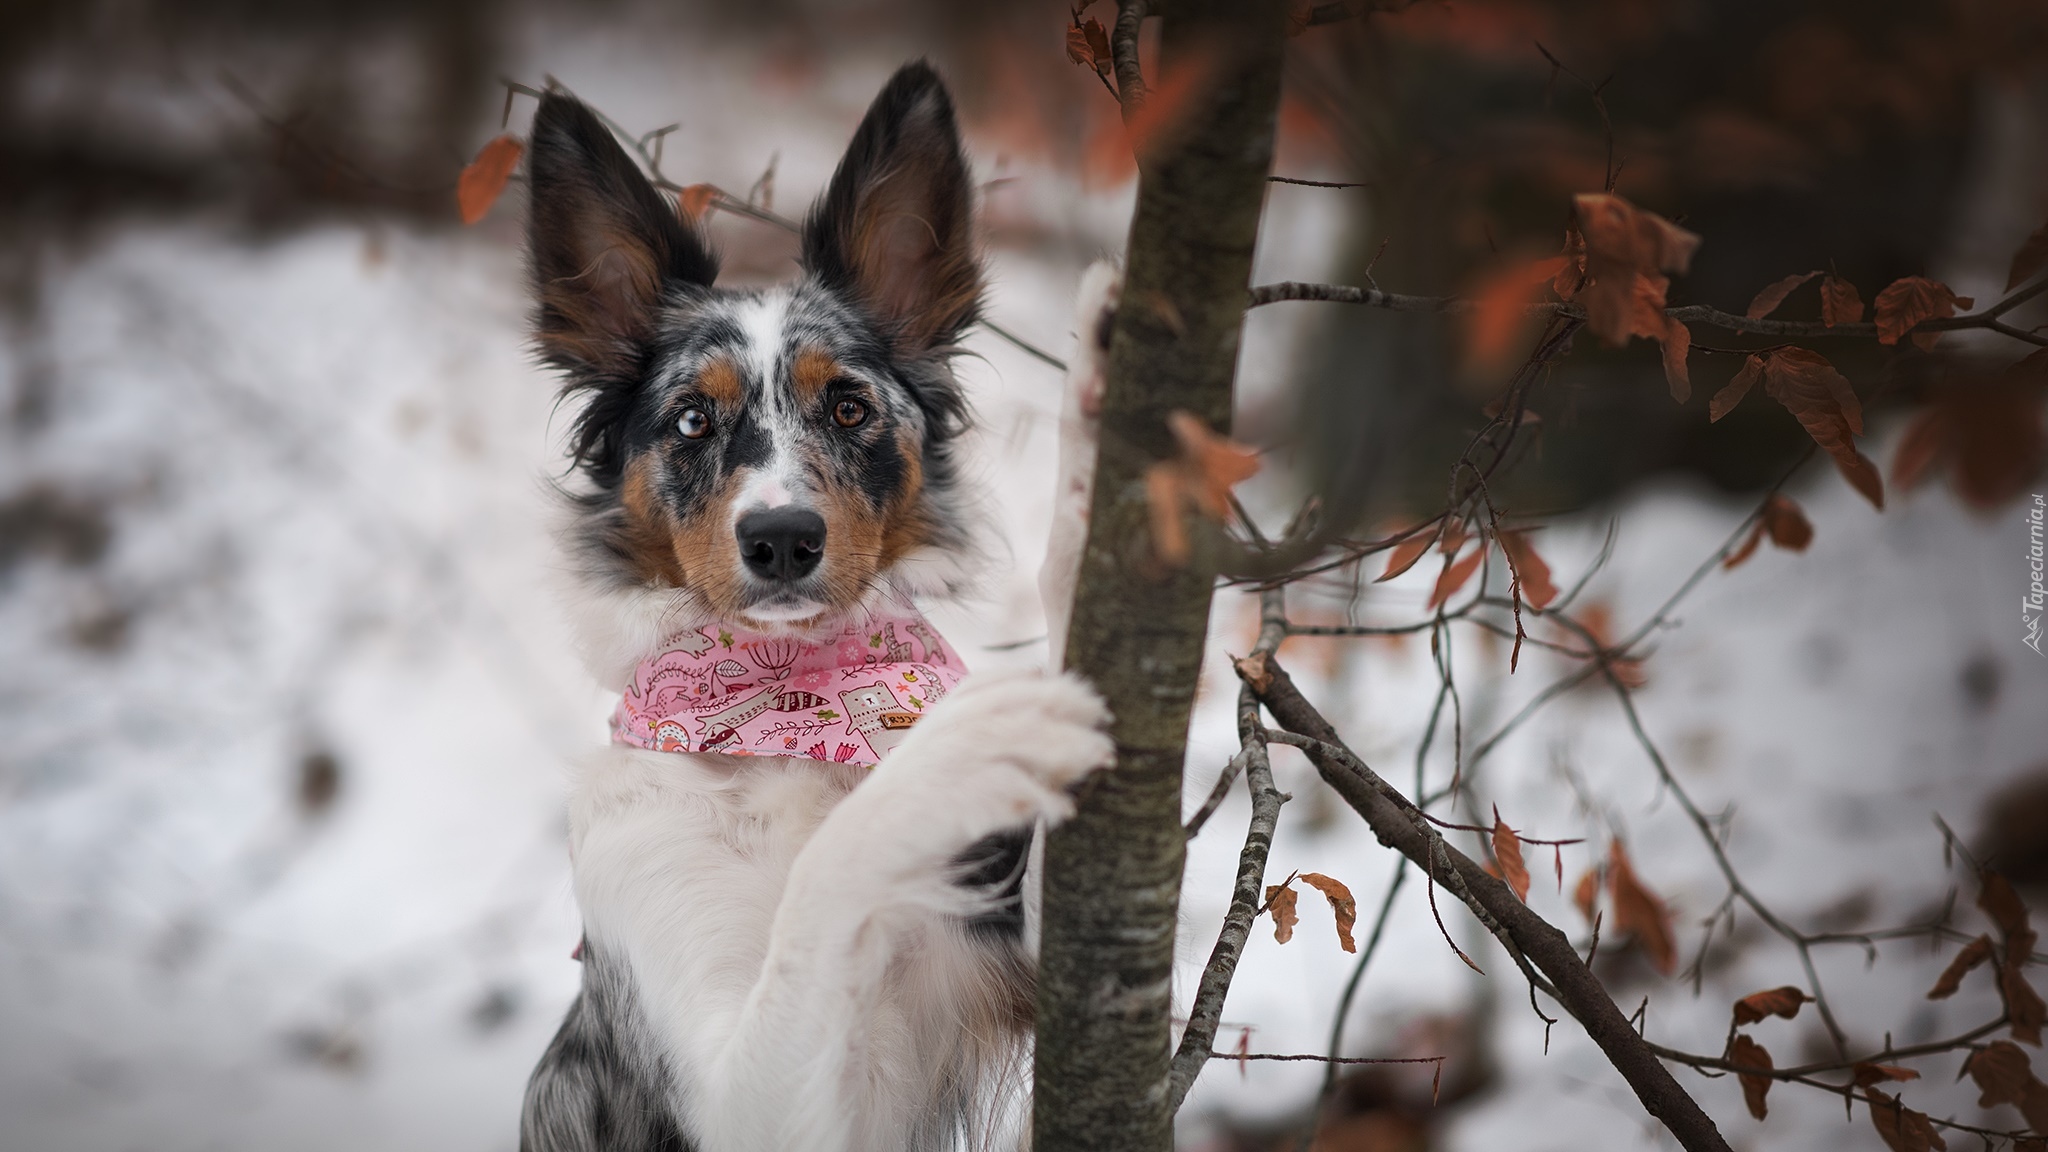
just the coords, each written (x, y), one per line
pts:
(648, 539)
(719, 381)
(813, 370)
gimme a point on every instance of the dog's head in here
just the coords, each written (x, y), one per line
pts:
(771, 457)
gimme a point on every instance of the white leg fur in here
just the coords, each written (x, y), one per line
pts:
(795, 938)
(1080, 428)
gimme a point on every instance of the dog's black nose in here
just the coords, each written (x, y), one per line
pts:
(782, 543)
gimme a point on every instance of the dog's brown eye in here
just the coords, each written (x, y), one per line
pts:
(694, 425)
(849, 413)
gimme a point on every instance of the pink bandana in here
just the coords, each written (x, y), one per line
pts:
(848, 698)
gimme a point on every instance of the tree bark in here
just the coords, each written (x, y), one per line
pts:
(1112, 873)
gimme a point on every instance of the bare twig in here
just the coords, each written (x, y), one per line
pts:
(1524, 933)
(1198, 1040)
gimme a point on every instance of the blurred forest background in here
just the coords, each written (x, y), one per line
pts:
(285, 705)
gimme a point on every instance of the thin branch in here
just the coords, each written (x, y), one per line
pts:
(1524, 933)
(1987, 319)
(1197, 1042)
(1123, 51)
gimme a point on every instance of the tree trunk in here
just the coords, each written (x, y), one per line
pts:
(1112, 873)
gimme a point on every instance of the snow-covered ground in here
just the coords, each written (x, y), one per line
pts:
(321, 466)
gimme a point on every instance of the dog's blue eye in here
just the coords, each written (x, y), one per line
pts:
(694, 425)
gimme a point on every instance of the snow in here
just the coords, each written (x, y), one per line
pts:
(324, 462)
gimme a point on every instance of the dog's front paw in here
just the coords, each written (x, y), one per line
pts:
(1009, 746)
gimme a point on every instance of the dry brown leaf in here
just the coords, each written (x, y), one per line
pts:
(1677, 341)
(1627, 251)
(694, 201)
(1530, 570)
(1839, 302)
(1500, 309)
(1507, 848)
(1985, 428)
(1910, 300)
(1903, 1129)
(1454, 577)
(1973, 954)
(1280, 901)
(1740, 555)
(2022, 1003)
(1996, 898)
(1767, 301)
(1638, 912)
(1826, 406)
(1867, 1074)
(1786, 523)
(1163, 495)
(1746, 1053)
(1597, 620)
(2005, 1075)
(1215, 464)
(1728, 397)
(1341, 905)
(2029, 260)
(1088, 45)
(1919, 446)
(1585, 892)
(1783, 1001)
(1201, 477)
(484, 178)
(1405, 554)
(1573, 275)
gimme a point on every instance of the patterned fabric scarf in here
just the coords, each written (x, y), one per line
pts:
(847, 698)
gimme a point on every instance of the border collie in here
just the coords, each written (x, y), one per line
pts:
(800, 862)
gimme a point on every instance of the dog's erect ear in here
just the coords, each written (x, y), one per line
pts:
(896, 227)
(603, 243)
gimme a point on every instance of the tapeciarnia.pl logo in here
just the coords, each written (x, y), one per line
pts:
(2037, 596)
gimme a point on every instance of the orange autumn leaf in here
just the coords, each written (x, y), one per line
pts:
(1599, 623)
(1985, 428)
(1820, 398)
(1405, 554)
(1201, 476)
(694, 201)
(1737, 387)
(1531, 573)
(1910, 300)
(1088, 45)
(1741, 555)
(1214, 464)
(1341, 905)
(1902, 1129)
(1280, 901)
(2004, 1075)
(1639, 913)
(1746, 1053)
(1919, 445)
(1772, 1002)
(2029, 260)
(1454, 577)
(1839, 303)
(1500, 309)
(1507, 848)
(1628, 251)
(1786, 523)
(484, 178)
(1973, 954)
(1867, 1074)
(1767, 301)
(1585, 892)
(1677, 341)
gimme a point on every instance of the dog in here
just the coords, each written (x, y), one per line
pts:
(785, 949)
